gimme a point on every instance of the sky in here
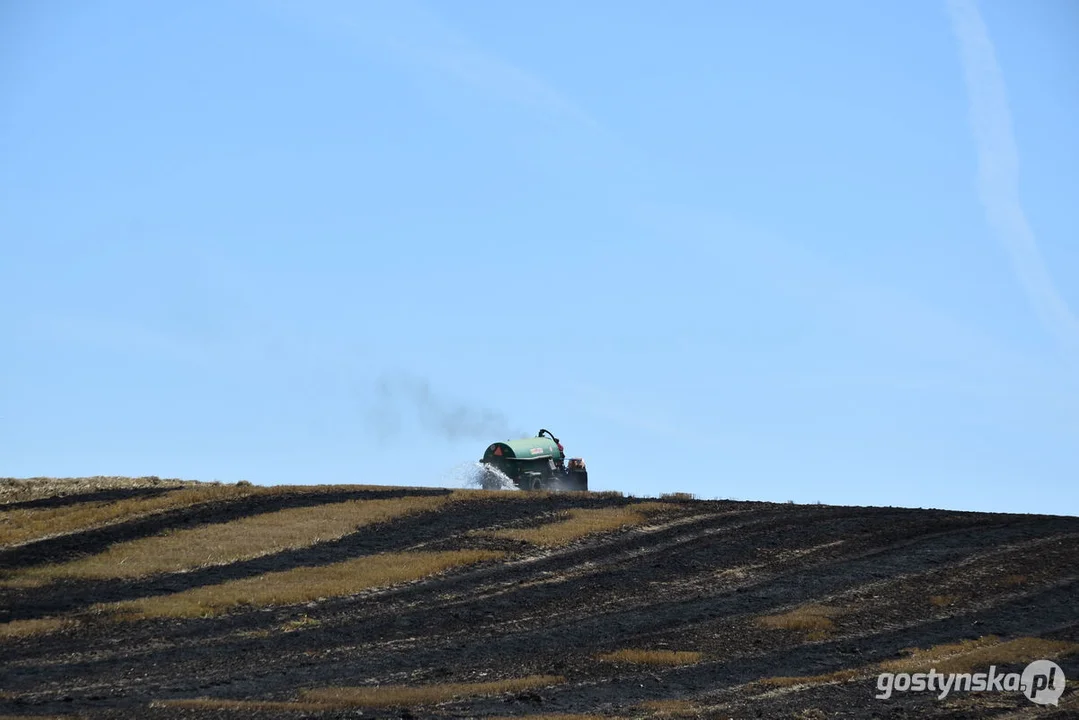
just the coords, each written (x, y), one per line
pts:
(774, 251)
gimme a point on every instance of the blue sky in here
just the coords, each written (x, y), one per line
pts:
(774, 251)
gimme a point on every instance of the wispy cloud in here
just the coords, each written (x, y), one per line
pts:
(414, 36)
(432, 42)
(998, 175)
(826, 303)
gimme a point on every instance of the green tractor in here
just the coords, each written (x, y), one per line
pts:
(537, 463)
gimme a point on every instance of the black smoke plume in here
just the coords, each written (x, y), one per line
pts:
(400, 395)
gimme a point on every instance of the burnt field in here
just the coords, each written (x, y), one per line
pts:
(157, 600)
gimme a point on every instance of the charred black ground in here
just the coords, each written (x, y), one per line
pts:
(697, 577)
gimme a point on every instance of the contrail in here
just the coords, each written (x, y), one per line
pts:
(449, 419)
(998, 172)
